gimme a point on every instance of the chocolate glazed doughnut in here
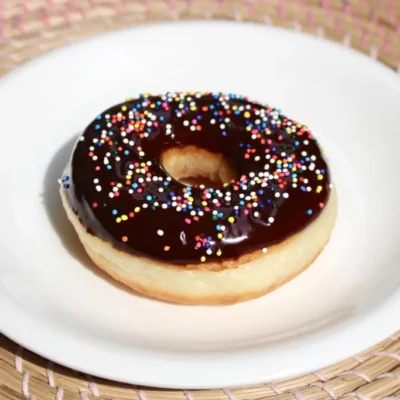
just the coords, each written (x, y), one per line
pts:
(126, 186)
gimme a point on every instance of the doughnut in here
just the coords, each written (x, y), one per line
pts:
(199, 197)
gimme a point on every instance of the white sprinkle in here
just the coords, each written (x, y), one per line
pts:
(256, 214)
(285, 195)
(264, 250)
(271, 220)
(277, 194)
(98, 188)
(160, 232)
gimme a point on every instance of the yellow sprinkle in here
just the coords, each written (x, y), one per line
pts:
(137, 170)
(193, 108)
(202, 259)
(137, 209)
(288, 130)
(320, 177)
(219, 252)
(118, 220)
(128, 177)
(204, 203)
(248, 128)
(124, 217)
(234, 108)
(294, 180)
(231, 220)
(119, 185)
(220, 235)
(246, 114)
(319, 189)
(190, 199)
(279, 162)
(124, 108)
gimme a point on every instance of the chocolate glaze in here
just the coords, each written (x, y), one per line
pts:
(253, 129)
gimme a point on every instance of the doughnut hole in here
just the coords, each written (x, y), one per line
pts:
(192, 165)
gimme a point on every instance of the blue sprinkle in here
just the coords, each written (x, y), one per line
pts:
(126, 152)
(65, 178)
(172, 194)
(207, 245)
(260, 192)
(97, 127)
(135, 185)
(66, 186)
(224, 133)
(109, 167)
(218, 227)
(114, 212)
(241, 202)
(220, 215)
(98, 117)
(309, 212)
(148, 198)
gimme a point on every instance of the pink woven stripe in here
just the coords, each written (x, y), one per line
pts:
(92, 386)
(325, 388)
(390, 354)
(50, 374)
(60, 393)
(229, 394)
(18, 359)
(358, 359)
(188, 395)
(25, 384)
(359, 374)
(273, 388)
(320, 376)
(141, 394)
(297, 394)
(389, 375)
(83, 395)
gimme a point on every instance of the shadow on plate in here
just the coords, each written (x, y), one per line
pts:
(58, 218)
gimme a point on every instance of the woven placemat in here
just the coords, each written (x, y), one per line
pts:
(31, 27)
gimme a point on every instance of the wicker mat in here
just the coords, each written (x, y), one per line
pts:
(31, 27)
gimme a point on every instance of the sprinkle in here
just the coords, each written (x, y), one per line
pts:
(264, 250)
(166, 248)
(231, 220)
(124, 238)
(203, 258)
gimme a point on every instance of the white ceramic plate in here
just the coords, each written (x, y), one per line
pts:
(56, 303)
